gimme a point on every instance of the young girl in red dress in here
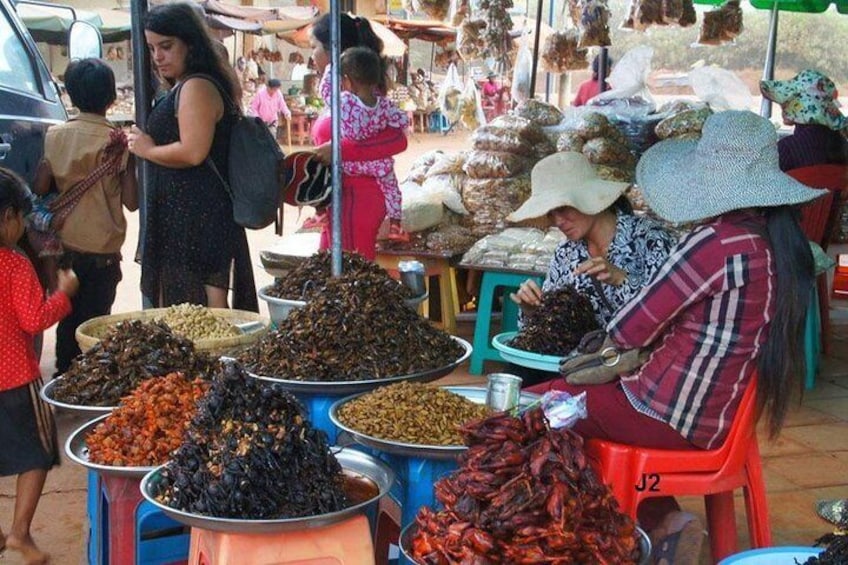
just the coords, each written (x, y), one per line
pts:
(27, 431)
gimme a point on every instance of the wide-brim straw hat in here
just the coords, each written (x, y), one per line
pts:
(567, 179)
(809, 97)
(733, 166)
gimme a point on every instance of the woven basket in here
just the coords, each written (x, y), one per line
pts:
(90, 333)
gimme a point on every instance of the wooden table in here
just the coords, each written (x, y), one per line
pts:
(436, 264)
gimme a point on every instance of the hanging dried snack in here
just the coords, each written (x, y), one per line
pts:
(540, 112)
(722, 25)
(594, 23)
(645, 13)
(460, 10)
(561, 54)
(436, 9)
(470, 42)
(574, 11)
(498, 27)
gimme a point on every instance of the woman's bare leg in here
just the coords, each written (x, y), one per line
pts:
(216, 297)
(29, 487)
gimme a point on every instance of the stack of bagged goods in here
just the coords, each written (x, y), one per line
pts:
(721, 25)
(685, 121)
(523, 249)
(540, 113)
(603, 144)
(131, 352)
(561, 52)
(250, 453)
(524, 493)
(643, 14)
(498, 169)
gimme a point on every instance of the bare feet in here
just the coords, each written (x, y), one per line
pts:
(28, 550)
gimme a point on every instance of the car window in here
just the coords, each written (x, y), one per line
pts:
(16, 70)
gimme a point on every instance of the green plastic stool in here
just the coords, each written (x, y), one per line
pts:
(490, 282)
(812, 340)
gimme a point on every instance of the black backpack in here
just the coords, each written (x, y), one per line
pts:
(256, 166)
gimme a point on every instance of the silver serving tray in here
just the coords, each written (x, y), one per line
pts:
(46, 394)
(440, 452)
(353, 462)
(77, 451)
(405, 543)
(339, 388)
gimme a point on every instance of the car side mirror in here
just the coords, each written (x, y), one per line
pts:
(84, 41)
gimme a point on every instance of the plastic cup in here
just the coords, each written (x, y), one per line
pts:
(503, 391)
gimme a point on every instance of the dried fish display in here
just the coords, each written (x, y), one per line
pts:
(498, 43)
(355, 328)
(149, 423)
(411, 413)
(197, 322)
(561, 52)
(131, 352)
(250, 453)
(721, 25)
(524, 493)
(556, 326)
(309, 277)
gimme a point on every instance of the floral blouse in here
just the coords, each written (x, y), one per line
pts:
(640, 247)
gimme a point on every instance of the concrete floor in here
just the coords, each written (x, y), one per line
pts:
(806, 463)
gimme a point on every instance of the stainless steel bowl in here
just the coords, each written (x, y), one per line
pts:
(439, 452)
(46, 394)
(77, 451)
(409, 532)
(353, 462)
(340, 388)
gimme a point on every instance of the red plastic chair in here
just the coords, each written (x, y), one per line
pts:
(818, 220)
(714, 474)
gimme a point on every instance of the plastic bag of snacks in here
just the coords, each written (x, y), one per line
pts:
(450, 94)
(471, 106)
(645, 13)
(721, 25)
(594, 24)
(542, 113)
(495, 164)
(561, 52)
(469, 39)
(422, 209)
(687, 121)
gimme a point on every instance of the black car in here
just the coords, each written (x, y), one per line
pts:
(29, 100)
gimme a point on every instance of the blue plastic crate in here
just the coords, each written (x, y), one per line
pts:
(318, 412)
(92, 506)
(159, 539)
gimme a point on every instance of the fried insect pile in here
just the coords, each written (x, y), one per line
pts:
(301, 282)
(556, 326)
(354, 328)
(250, 453)
(836, 547)
(131, 352)
(148, 424)
(523, 494)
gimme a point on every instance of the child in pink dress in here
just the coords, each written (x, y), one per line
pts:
(364, 114)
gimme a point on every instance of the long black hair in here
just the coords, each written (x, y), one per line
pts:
(781, 360)
(14, 193)
(185, 22)
(355, 31)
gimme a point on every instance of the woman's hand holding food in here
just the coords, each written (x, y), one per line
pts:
(603, 270)
(528, 295)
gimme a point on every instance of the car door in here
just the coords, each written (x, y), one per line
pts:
(29, 101)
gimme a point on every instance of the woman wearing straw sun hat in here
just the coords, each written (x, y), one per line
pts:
(809, 102)
(731, 299)
(609, 253)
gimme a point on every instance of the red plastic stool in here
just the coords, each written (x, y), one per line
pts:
(346, 543)
(713, 474)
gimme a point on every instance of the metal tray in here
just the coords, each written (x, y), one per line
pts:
(440, 452)
(46, 394)
(405, 543)
(76, 449)
(353, 462)
(526, 358)
(339, 388)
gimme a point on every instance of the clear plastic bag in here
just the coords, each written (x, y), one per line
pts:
(521, 75)
(471, 106)
(721, 89)
(539, 112)
(422, 209)
(495, 138)
(447, 164)
(450, 94)
(563, 410)
(495, 164)
(629, 78)
(449, 189)
(561, 52)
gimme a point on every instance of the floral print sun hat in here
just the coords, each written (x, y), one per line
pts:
(808, 98)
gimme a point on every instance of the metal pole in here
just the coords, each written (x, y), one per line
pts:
(768, 68)
(335, 110)
(602, 70)
(142, 93)
(536, 48)
(548, 78)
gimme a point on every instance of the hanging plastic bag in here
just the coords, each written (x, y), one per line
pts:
(450, 94)
(629, 78)
(721, 89)
(594, 24)
(521, 75)
(471, 106)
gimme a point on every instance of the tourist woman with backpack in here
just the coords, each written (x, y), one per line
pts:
(191, 245)
(363, 203)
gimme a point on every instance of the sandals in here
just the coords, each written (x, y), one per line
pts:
(680, 538)
(397, 233)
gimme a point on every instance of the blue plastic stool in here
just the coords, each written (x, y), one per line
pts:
(318, 412)
(812, 340)
(491, 281)
(92, 509)
(159, 539)
(439, 123)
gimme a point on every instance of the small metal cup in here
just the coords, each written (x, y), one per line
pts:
(503, 391)
(412, 276)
